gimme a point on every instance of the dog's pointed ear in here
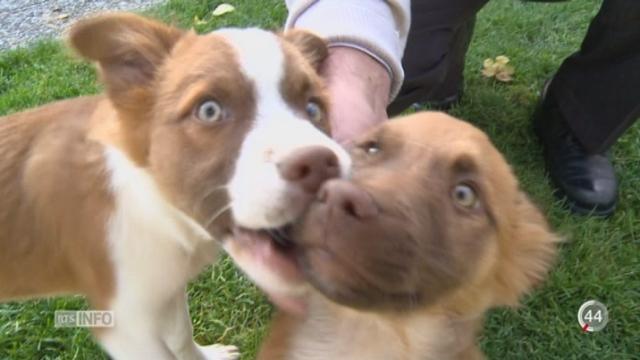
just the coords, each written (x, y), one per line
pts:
(313, 47)
(128, 48)
(529, 248)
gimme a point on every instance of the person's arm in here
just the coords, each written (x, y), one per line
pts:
(364, 69)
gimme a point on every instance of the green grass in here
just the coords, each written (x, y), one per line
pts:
(600, 261)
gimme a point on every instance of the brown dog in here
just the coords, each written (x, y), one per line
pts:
(405, 257)
(122, 196)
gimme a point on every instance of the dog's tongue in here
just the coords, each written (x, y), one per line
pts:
(262, 251)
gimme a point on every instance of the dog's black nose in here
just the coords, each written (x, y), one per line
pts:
(310, 167)
(345, 197)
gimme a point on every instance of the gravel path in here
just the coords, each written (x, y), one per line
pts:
(23, 21)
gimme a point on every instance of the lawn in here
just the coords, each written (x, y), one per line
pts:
(600, 260)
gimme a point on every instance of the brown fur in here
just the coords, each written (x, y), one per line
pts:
(414, 281)
(54, 204)
(311, 47)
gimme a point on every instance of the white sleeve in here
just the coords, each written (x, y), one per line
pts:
(377, 27)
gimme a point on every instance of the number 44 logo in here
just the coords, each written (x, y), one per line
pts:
(590, 318)
(593, 316)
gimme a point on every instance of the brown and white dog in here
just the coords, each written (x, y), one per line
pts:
(405, 257)
(121, 197)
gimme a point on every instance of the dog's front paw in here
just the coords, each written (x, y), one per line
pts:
(220, 352)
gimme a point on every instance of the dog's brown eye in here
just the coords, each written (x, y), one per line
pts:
(209, 112)
(371, 147)
(465, 196)
(314, 112)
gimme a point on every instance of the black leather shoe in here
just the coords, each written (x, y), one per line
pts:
(586, 181)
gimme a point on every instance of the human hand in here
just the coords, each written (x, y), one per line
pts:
(359, 88)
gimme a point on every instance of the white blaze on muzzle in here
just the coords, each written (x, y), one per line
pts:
(260, 197)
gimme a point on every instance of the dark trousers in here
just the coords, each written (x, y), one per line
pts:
(437, 44)
(597, 88)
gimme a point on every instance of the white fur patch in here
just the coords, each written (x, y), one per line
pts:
(156, 249)
(260, 197)
(139, 201)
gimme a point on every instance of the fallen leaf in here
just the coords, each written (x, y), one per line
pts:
(488, 62)
(489, 68)
(223, 9)
(498, 69)
(501, 59)
(504, 77)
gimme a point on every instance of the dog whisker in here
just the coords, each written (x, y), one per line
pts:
(208, 193)
(218, 214)
(214, 190)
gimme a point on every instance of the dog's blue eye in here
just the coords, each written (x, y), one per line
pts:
(209, 112)
(314, 112)
(465, 196)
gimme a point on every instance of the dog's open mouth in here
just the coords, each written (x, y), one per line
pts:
(272, 248)
(280, 237)
(270, 258)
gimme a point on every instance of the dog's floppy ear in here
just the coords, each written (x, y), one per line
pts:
(528, 251)
(313, 47)
(128, 49)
